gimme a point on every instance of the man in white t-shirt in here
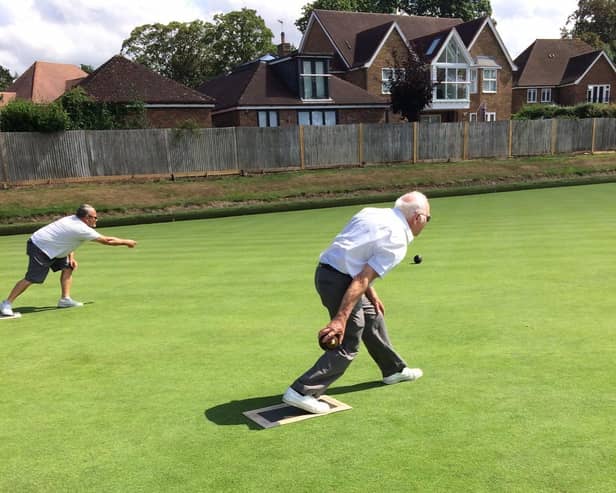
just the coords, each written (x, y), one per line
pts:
(369, 246)
(53, 247)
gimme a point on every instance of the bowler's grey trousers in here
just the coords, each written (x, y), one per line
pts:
(364, 324)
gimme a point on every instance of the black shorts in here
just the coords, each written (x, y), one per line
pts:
(40, 263)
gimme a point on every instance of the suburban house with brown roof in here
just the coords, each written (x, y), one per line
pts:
(563, 71)
(167, 103)
(44, 82)
(471, 68)
(271, 93)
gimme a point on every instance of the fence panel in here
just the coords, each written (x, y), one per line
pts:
(440, 141)
(331, 145)
(488, 139)
(573, 135)
(203, 150)
(267, 148)
(531, 137)
(387, 142)
(605, 134)
(128, 152)
(38, 156)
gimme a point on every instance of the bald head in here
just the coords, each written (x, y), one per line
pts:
(411, 203)
(416, 209)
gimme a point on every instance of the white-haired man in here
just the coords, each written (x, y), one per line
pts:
(53, 247)
(369, 246)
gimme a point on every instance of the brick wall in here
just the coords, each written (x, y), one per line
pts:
(385, 59)
(173, 117)
(487, 45)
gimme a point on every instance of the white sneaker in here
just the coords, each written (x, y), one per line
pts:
(68, 303)
(305, 402)
(406, 375)
(6, 309)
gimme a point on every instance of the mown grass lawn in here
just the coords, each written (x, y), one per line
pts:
(510, 315)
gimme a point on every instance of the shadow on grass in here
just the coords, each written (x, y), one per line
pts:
(37, 309)
(230, 413)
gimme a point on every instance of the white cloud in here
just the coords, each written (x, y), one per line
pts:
(91, 31)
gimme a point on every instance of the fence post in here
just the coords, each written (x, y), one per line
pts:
(415, 126)
(465, 141)
(360, 144)
(5, 166)
(554, 135)
(510, 147)
(594, 130)
(301, 146)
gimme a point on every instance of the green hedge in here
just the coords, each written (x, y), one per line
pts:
(546, 111)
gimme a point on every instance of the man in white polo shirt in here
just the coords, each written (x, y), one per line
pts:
(53, 247)
(370, 245)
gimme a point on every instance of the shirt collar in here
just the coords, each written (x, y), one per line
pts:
(407, 228)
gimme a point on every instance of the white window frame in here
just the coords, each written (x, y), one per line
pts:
(450, 74)
(546, 94)
(317, 118)
(314, 79)
(436, 118)
(490, 116)
(472, 117)
(598, 93)
(531, 95)
(473, 79)
(489, 84)
(267, 118)
(388, 76)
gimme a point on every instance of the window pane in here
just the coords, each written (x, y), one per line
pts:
(330, 118)
(262, 116)
(306, 67)
(303, 117)
(317, 118)
(273, 119)
(307, 83)
(320, 88)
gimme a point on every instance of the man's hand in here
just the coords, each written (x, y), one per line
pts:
(333, 329)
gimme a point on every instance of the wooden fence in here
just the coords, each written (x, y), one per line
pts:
(35, 157)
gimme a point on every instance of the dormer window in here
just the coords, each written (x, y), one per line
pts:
(314, 79)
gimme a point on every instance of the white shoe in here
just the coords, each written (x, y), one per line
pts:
(305, 402)
(6, 309)
(406, 375)
(68, 303)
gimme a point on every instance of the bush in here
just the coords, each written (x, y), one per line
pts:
(584, 110)
(26, 116)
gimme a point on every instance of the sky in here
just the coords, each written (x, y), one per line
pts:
(91, 31)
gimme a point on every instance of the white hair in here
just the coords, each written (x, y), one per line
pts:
(411, 202)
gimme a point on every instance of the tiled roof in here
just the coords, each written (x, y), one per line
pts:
(120, 80)
(546, 62)
(257, 84)
(44, 82)
(578, 65)
(354, 33)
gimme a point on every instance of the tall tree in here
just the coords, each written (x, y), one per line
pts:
(411, 89)
(178, 50)
(238, 37)
(191, 52)
(378, 6)
(466, 10)
(594, 21)
(6, 78)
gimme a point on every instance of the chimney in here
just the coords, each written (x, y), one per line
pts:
(283, 48)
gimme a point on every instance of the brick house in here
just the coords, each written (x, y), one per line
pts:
(167, 103)
(471, 67)
(562, 71)
(268, 93)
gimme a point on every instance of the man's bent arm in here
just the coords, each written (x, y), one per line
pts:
(358, 287)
